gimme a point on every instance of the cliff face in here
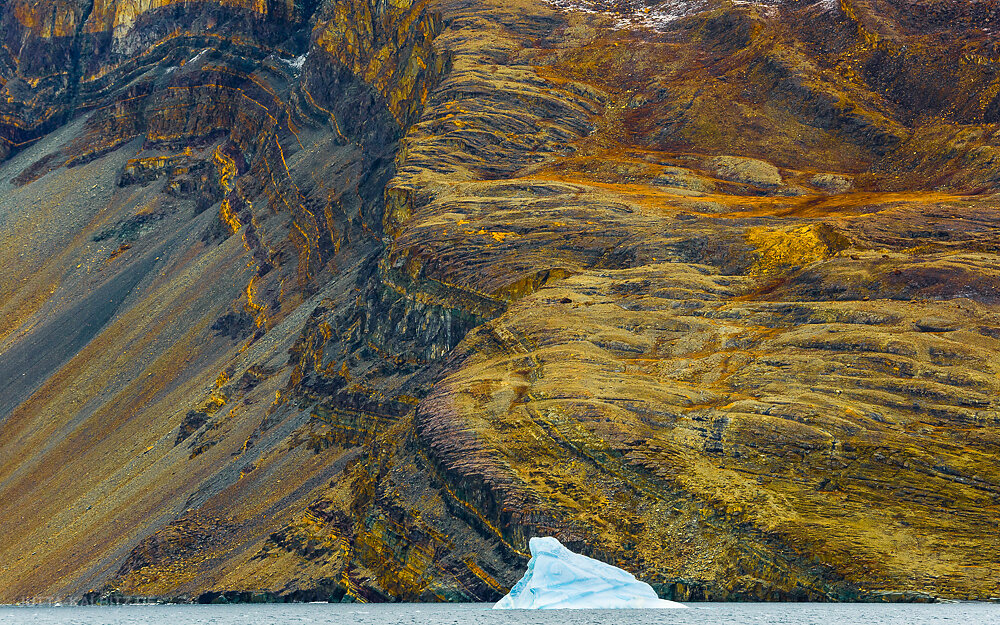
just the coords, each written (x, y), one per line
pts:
(327, 298)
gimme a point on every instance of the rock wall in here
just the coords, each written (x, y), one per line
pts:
(315, 300)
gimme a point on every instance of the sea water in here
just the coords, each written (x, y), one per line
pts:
(481, 614)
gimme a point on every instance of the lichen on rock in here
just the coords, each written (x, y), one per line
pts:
(350, 299)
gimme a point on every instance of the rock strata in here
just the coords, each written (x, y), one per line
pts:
(351, 299)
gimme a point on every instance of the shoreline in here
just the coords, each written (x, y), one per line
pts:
(27, 605)
(201, 600)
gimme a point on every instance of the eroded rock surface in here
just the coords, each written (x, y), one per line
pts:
(350, 298)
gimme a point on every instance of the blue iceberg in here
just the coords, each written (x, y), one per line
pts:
(558, 578)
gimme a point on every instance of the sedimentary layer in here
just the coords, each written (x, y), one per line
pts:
(350, 299)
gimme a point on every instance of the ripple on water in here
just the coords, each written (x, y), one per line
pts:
(480, 614)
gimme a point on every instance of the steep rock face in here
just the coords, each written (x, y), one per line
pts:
(354, 298)
(228, 178)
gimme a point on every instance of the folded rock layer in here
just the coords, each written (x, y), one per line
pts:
(309, 299)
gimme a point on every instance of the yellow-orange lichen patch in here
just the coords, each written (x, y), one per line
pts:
(47, 19)
(778, 249)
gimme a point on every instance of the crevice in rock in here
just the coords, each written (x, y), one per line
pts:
(76, 69)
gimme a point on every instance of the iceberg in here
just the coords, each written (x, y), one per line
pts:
(558, 578)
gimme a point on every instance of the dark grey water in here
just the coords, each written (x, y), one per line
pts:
(480, 614)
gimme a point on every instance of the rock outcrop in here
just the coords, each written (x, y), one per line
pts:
(325, 298)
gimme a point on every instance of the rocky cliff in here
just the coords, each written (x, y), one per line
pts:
(319, 299)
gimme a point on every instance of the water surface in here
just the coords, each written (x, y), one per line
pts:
(480, 614)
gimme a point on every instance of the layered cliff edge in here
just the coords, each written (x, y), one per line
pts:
(315, 299)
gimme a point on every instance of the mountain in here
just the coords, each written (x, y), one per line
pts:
(323, 299)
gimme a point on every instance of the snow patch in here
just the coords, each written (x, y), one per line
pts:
(295, 63)
(632, 14)
(196, 57)
(635, 14)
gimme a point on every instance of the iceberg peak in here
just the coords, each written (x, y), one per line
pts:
(559, 578)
